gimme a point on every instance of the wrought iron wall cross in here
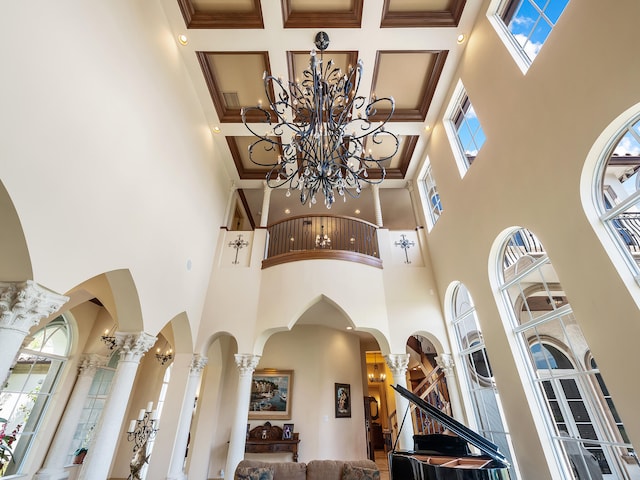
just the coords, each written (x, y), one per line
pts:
(404, 243)
(238, 243)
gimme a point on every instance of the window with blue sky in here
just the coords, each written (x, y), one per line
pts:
(618, 187)
(463, 129)
(432, 197)
(528, 23)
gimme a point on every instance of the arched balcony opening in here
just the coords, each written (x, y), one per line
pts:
(311, 237)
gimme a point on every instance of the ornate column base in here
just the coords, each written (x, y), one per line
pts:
(52, 474)
(180, 476)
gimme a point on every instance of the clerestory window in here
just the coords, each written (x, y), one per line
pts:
(525, 25)
(431, 197)
(463, 129)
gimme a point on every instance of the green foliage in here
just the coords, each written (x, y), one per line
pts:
(6, 440)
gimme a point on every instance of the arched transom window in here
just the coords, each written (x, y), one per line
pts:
(586, 440)
(25, 395)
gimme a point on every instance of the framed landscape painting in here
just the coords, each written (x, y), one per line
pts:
(271, 394)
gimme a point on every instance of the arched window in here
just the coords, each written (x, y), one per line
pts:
(586, 441)
(618, 185)
(93, 406)
(476, 372)
(25, 396)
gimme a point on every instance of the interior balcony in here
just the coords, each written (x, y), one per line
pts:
(322, 237)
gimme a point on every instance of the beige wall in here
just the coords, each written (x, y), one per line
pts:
(93, 87)
(540, 128)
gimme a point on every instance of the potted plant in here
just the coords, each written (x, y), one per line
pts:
(6, 440)
(78, 455)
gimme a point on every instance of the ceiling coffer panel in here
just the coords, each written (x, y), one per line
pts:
(418, 13)
(221, 13)
(322, 14)
(235, 81)
(247, 170)
(396, 168)
(411, 78)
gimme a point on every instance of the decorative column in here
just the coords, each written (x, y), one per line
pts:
(53, 468)
(414, 204)
(398, 364)
(266, 201)
(22, 306)
(98, 460)
(228, 215)
(445, 362)
(246, 364)
(176, 467)
(375, 191)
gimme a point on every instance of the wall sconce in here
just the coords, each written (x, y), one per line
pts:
(166, 356)
(108, 338)
(557, 301)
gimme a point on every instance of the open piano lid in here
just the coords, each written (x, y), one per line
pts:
(475, 439)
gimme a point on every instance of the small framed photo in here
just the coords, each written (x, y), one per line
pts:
(287, 431)
(343, 400)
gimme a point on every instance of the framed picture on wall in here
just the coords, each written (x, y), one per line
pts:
(343, 400)
(271, 394)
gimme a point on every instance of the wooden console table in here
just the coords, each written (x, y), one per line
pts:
(267, 438)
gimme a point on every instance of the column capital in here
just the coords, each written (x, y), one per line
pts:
(24, 304)
(409, 187)
(246, 363)
(446, 363)
(133, 345)
(90, 362)
(397, 363)
(197, 364)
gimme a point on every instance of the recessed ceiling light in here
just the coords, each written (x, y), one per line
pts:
(427, 128)
(216, 129)
(357, 212)
(287, 211)
(183, 39)
(349, 328)
(461, 38)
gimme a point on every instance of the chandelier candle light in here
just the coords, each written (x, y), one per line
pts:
(108, 338)
(140, 431)
(320, 129)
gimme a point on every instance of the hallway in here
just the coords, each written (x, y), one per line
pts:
(383, 464)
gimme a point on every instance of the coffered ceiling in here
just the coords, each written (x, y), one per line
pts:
(409, 49)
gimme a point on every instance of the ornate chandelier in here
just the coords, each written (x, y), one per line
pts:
(320, 129)
(376, 376)
(322, 239)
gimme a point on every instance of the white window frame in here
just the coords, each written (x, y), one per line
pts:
(494, 14)
(518, 281)
(427, 185)
(26, 437)
(476, 384)
(608, 215)
(450, 128)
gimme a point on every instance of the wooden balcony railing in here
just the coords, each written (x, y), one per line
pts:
(322, 237)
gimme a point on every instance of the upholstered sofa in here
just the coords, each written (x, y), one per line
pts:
(314, 470)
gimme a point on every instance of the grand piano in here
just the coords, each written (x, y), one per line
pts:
(446, 457)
